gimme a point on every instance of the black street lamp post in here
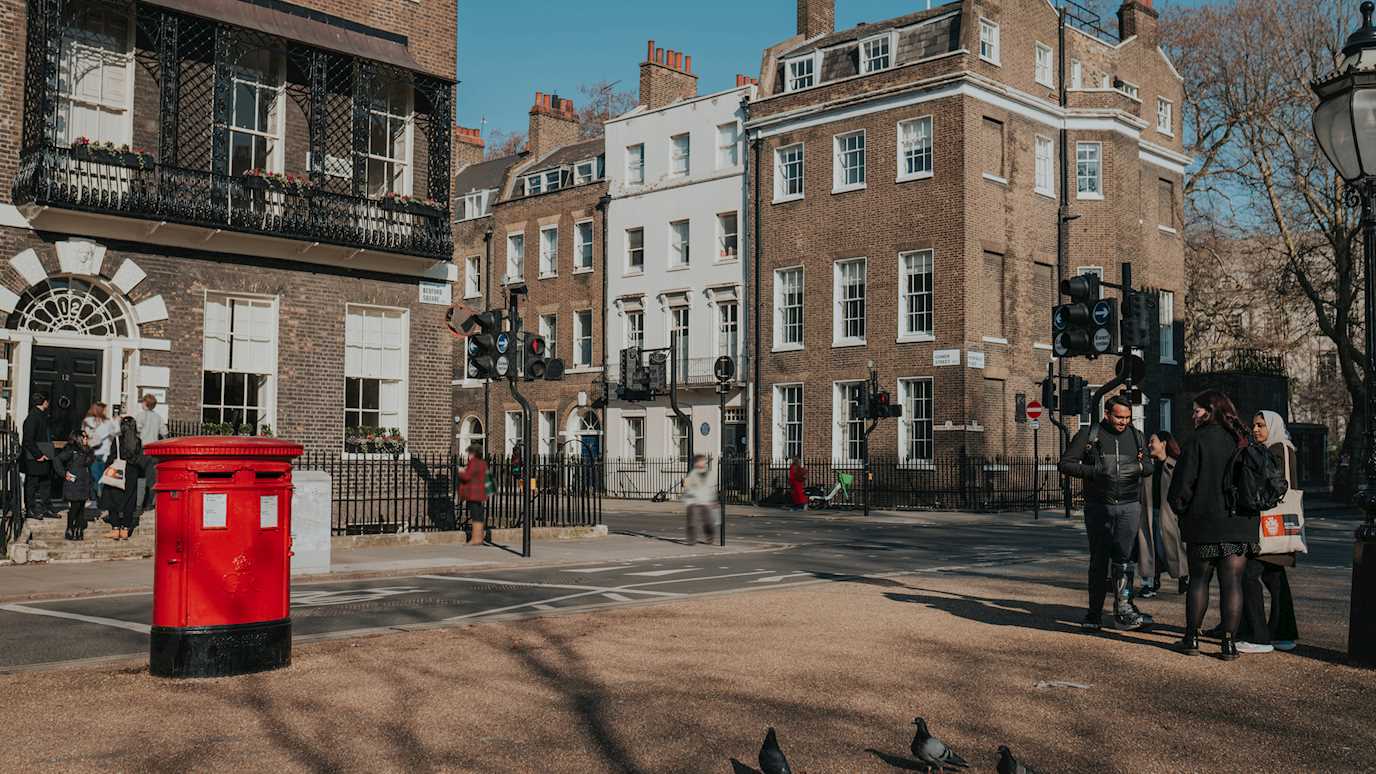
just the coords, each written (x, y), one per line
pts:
(1345, 125)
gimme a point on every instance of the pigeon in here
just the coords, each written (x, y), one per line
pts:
(772, 760)
(1010, 765)
(932, 752)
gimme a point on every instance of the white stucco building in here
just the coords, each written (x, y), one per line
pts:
(675, 269)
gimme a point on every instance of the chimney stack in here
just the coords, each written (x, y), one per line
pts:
(1137, 18)
(816, 17)
(553, 124)
(468, 147)
(666, 76)
(745, 80)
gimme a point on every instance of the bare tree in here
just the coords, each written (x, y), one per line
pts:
(602, 101)
(501, 144)
(1260, 176)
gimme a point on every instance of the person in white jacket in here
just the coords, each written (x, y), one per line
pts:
(100, 429)
(700, 495)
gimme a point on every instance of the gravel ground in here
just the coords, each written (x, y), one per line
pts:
(683, 687)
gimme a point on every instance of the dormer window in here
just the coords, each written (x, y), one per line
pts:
(475, 204)
(801, 73)
(534, 185)
(544, 182)
(876, 53)
(585, 172)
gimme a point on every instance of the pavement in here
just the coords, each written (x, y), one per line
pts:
(639, 653)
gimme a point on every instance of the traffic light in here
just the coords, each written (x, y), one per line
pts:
(1139, 317)
(1049, 396)
(534, 357)
(483, 331)
(882, 405)
(1074, 397)
(1088, 325)
(860, 402)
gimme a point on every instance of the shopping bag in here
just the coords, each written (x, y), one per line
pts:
(114, 475)
(1282, 527)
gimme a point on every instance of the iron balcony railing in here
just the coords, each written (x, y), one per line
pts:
(55, 177)
(692, 371)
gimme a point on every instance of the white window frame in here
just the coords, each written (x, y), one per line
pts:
(1077, 74)
(681, 335)
(514, 432)
(840, 418)
(1166, 321)
(548, 433)
(407, 117)
(906, 333)
(780, 188)
(677, 442)
(838, 314)
(1129, 89)
(681, 154)
(579, 243)
(579, 177)
(1165, 109)
(814, 68)
(475, 204)
(991, 41)
(548, 326)
(634, 331)
(515, 259)
(579, 336)
(729, 330)
(917, 151)
(729, 153)
(1044, 165)
(633, 428)
(1098, 177)
(782, 441)
(680, 244)
(533, 184)
(635, 164)
(268, 410)
(868, 58)
(473, 276)
(549, 252)
(838, 162)
(401, 381)
(722, 234)
(631, 267)
(1044, 72)
(780, 345)
(116, 60)
(907, 421)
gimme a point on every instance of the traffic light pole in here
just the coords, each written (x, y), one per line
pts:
(1061, 426)
(514, 376)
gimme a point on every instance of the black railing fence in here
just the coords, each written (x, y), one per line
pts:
(11, 492)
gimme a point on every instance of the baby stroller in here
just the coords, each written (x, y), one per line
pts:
(820, 498)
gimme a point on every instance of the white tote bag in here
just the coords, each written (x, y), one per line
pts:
(1282, 527)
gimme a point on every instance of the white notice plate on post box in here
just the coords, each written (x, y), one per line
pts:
(267, 511)
(214, 511)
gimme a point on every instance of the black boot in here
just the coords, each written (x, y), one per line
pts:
(1227, 648)
(1126, 616)
(1189, 644)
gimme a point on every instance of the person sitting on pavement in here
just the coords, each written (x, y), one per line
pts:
(1110, 457)
(1159, 546)
(1259, 633)
(700, 497)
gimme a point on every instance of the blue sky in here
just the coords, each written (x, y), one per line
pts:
(509, 49)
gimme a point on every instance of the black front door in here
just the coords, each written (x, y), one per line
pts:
(71, 380)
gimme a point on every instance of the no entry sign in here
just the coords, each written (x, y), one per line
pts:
(1034, 410)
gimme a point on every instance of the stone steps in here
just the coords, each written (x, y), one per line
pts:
(44, 541)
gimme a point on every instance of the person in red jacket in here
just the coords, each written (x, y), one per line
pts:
(473, 492)
(797, 478)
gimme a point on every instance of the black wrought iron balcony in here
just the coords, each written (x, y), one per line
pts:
(140, 187)
(693, 371)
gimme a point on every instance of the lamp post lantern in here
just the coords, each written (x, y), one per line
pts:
(1345, 126)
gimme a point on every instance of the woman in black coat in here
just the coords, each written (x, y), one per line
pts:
(121, 504)
(74, 464)
(1216, 539)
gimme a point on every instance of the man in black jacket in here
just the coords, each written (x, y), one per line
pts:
(1111, 458)
(38, 466)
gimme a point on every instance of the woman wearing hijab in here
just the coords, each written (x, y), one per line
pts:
(1159, 546)
(1258, 633)
(121, 503)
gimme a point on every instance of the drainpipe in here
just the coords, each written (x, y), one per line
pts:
(753, 184)
(603, 206)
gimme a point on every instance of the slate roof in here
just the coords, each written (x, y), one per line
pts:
(842, 56)
(484, 175)
(567, 154)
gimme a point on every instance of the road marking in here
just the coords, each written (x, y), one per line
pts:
(91, 619)
(543, 606)
(617, 597)
(600, 569)
(634, 588)
(777, 578)
(529, 584)
(660, 573)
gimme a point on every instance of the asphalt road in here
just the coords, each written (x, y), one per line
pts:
(784, 550)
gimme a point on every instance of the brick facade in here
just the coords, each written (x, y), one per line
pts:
(992, 236)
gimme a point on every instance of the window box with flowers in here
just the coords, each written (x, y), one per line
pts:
(263, 180)
(85, 149)
(373, 440)
(411, 205)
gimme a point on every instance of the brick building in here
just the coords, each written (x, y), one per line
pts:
(546, 221)
(905, 185)
(280, 254)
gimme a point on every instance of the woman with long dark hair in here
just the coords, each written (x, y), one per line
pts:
(1218, 539)
(1159, 547)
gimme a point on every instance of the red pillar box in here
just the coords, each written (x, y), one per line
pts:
(223, 556)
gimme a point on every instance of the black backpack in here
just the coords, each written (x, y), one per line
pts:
(1256, 480)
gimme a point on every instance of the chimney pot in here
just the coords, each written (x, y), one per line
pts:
(688, 64)
(650, 52)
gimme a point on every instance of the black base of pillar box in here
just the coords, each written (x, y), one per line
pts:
(1361, 637)
(219, 651)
